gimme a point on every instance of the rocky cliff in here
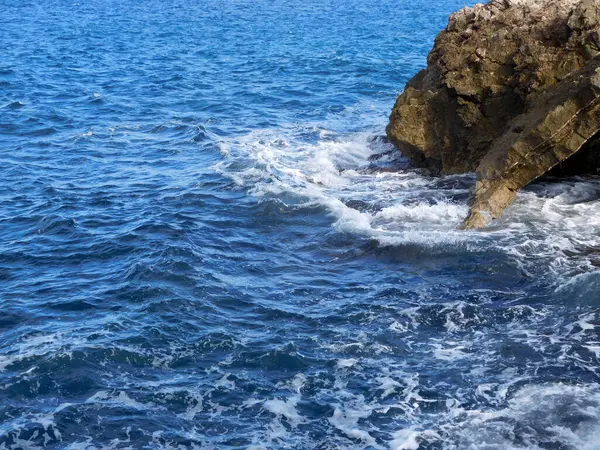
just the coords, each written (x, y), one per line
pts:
(510, 91)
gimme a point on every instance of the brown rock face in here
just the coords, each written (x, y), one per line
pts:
(497, 75)
(562, 122)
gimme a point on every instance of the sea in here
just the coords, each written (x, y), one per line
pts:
(206, 242)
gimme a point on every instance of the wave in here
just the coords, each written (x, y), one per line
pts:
(364, 195)
(369, 190)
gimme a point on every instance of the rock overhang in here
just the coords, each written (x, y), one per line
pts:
(500, 79)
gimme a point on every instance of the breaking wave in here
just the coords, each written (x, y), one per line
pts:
(369, 190)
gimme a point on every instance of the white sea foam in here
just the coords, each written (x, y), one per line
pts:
(557, 223)
(333, 172)
(530, 412)
(121, 399)
(408, 439)
(37, 345)
(285, 408)
(346, 363)
(448, 352)
(346, 420)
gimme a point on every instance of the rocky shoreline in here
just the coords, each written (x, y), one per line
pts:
(512, 92)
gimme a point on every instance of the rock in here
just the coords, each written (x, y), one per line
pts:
(559, 125)
(495, 76)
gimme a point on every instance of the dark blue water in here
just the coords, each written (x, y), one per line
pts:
(199, 249)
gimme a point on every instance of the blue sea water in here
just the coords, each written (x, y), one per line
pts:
(201, 248)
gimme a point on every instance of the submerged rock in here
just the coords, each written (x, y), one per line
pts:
(510, 91)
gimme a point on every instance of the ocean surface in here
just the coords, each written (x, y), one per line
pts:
(206, 243)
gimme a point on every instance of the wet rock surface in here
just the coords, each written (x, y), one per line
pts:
(559, 125)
